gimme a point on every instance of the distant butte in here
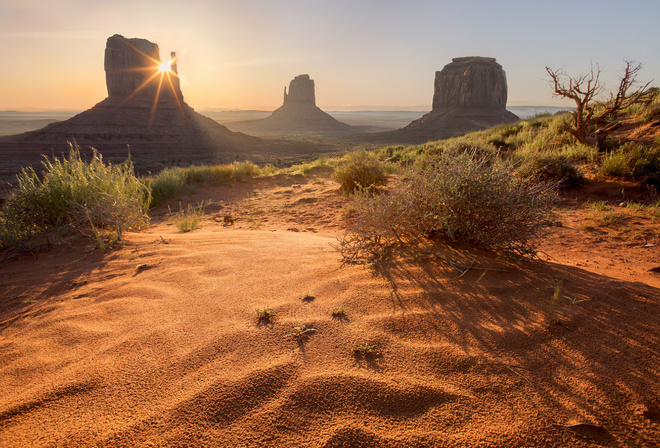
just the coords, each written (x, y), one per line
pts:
(470, 94)
(297, 115)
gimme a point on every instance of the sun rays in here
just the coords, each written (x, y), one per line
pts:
(156, 69)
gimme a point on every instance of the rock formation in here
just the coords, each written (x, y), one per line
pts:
(298, 114)
(301, 91)
(470, 94)
(144, 109)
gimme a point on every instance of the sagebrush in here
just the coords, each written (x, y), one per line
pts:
(465, 197)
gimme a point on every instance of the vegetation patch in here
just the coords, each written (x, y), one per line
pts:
(300, 333)
(265, 314)
(551, 168)
(466, 197)
(635, 162)
(187, 220)
(360, 170)
(96, 199)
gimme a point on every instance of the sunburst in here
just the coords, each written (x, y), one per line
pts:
(157, 69)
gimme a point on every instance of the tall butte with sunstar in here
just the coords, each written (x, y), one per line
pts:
(144, 110)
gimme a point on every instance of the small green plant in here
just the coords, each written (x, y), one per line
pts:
(554, 300)
(187, 220)
(365, 349)
(307, 296)
(360, 170)
(265, 313)
(587, 227)
(165, 185)
(601, 206)
(338, 312)
(573, 301)
(611, 219)
(300, 333)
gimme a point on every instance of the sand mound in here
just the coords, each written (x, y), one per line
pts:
(98, 353)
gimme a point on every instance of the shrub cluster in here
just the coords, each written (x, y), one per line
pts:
(75, 194)
(360, 170)
(635, 162)
(466, 197)
(552, 168)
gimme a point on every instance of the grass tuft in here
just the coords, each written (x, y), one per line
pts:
(187, 220)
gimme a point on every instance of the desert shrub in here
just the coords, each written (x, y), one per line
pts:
(511, 130)
(187, 220)
(634, 161)
(650, 109)
(243, 171)
(552, 168)
(87, 196)
(166, 185)
(360, 170)
(651, 113)
(578, 151)
(463, 197)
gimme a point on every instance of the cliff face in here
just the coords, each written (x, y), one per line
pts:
(470, 82)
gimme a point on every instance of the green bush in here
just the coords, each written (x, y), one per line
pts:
(360, 170)
(464, 197)
(651, 113)
(635, 162)
(551, 168)
(166, 185)
(72, 193)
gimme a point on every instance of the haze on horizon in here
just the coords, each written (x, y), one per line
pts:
(359, 52)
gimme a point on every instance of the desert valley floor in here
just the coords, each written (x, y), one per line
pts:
(98, 352)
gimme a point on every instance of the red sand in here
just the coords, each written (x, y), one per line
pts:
(97, 353)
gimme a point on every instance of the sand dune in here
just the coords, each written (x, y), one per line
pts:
(98, 353)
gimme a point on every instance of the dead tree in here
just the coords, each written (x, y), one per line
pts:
(593, 120)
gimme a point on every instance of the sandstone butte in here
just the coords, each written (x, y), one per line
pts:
(298, 114)
(469, 94)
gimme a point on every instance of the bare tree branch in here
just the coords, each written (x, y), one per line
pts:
(591, 121)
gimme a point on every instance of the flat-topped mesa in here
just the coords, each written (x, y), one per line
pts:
(301, 91)
(132, 68)
(471, 82)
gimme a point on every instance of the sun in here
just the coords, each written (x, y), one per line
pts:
(165, 67)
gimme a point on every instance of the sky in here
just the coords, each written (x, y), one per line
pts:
(240, 54)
